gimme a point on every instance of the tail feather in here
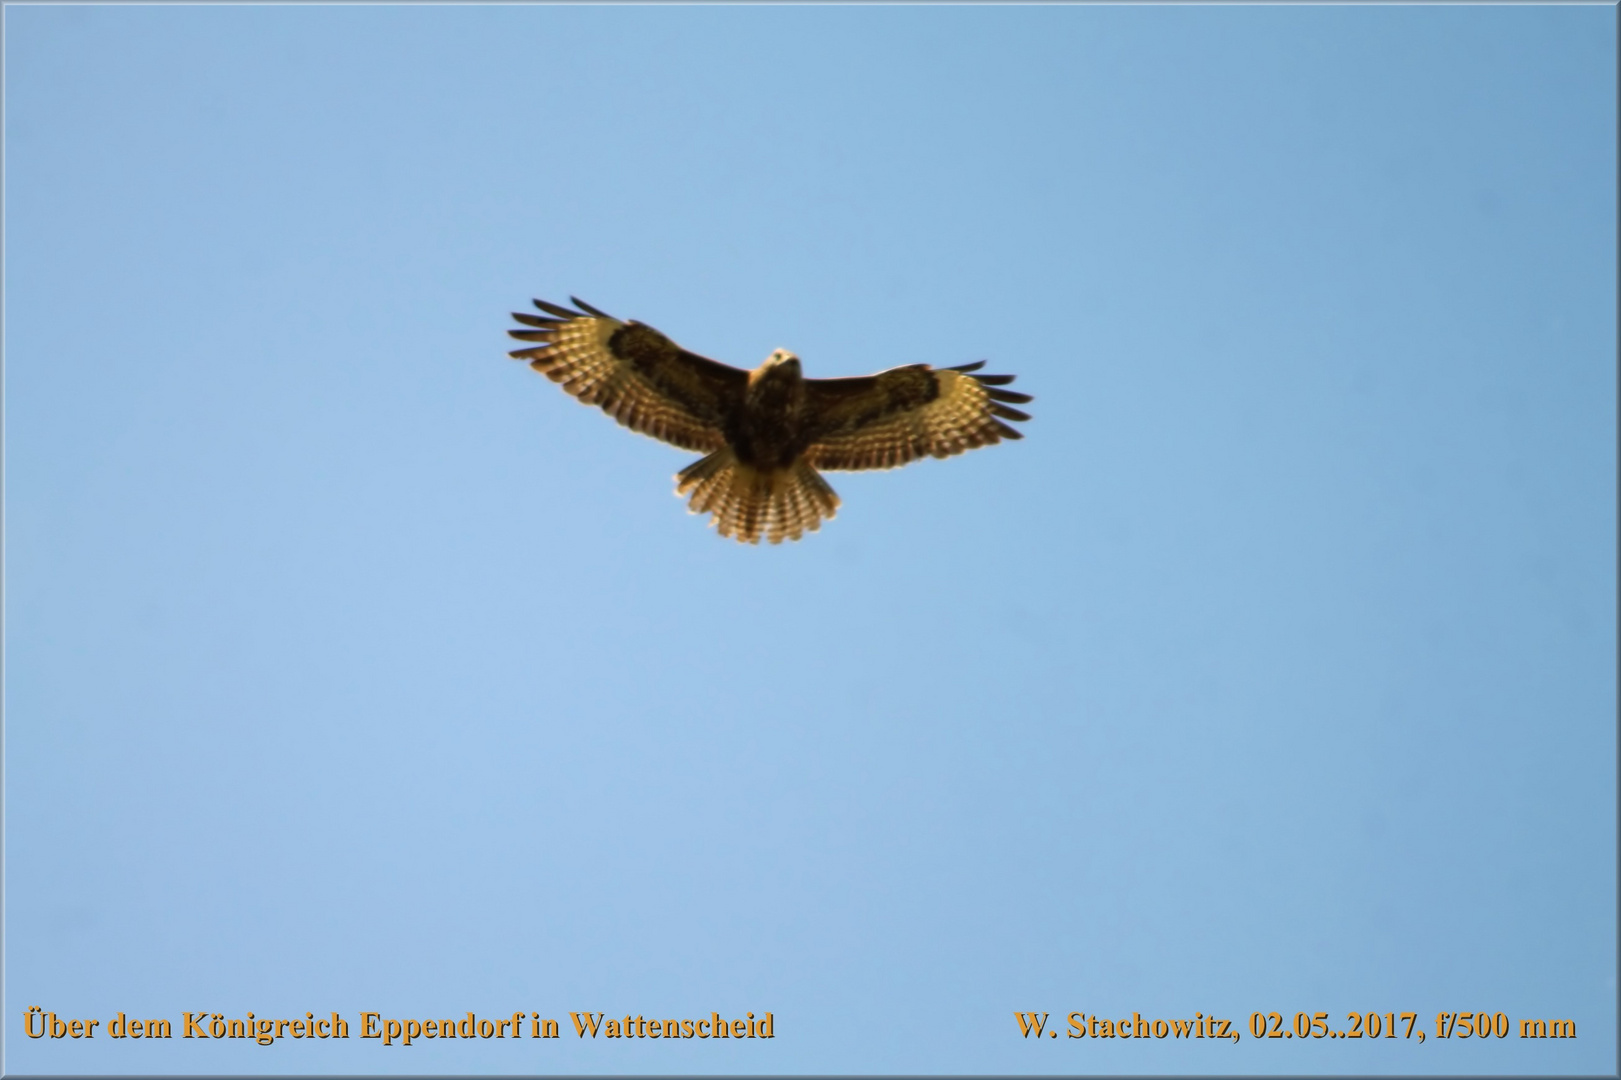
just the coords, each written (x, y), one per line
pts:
(748, 503)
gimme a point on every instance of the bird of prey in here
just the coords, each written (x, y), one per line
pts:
(765, 433)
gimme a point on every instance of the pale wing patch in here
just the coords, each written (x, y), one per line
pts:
(962, 417)
(577, 356)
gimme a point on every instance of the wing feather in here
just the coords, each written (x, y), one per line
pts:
(588, 309)
(637, 375)
(897, 416)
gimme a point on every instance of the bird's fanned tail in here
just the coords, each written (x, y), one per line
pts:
(748, 503)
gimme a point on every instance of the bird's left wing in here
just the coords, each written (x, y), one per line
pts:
(884, 420)
(637, 375)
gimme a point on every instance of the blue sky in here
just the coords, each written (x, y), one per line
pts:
(352, 666)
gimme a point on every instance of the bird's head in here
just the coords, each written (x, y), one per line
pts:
(781, 358)
(781, 368)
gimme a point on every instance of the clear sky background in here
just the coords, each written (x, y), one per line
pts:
(352, 666)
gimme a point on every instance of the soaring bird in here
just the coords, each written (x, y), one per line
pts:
(764, 433)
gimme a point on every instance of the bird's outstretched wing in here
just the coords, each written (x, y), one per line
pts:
(640, 377)
(884, 420)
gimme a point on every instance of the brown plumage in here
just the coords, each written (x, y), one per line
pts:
(765, 432)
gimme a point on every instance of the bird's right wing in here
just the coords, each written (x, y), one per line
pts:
(640, 377)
